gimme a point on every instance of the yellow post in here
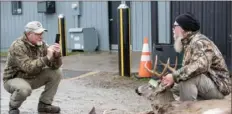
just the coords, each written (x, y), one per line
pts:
(61, 31)
(124, 53)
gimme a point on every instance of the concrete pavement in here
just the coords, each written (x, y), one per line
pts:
(90, 79)
(99, 61)
(82, 63)
(96, 61)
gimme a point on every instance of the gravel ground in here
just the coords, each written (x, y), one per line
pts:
(105, 91)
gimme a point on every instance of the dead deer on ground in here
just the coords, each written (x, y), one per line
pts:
(160, 96)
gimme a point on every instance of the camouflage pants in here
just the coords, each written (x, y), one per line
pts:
(21, 88)
(197, 88)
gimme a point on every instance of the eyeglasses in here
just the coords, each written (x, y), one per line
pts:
(173, 26)
(38, 34)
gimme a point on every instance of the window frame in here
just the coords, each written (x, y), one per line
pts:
(15, 6)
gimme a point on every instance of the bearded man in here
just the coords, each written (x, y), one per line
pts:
(204, 74)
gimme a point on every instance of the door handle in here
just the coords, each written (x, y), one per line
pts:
(111, 19)
(158, 48)
(230, 38)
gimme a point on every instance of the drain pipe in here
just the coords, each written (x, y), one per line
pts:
(76, 11)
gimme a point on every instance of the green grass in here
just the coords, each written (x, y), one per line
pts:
(135, 75)
(73, 53)
(3, 54)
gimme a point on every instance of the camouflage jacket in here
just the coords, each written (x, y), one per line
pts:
(25, 60)
(201, 56)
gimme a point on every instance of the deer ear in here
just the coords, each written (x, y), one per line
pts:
(92, 111)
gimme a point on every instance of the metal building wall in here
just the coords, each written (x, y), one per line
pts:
(140, 24)
(215, 19)
(93, 15)
(229, 28)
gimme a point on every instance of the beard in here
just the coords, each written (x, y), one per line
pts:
(40, 43)
(178, 46)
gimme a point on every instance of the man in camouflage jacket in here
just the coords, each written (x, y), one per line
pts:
(30, 65)
(204, 74)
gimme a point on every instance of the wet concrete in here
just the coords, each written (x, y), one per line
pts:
(96, 61)
(105, 90)
(101, 61)
(72, 73)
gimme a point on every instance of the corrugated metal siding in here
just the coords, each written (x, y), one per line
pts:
(214, 19)
(154, 22)
(94, 14)
(229, 29)
(163, 22)
(13, 25)
(140, 24)
(209, 15)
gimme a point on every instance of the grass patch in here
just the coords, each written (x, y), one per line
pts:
(135, 76)
(3, 54)
(73, 53)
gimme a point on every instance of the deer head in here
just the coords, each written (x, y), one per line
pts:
(147, 89)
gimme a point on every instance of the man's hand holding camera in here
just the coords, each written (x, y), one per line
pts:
(53, 51)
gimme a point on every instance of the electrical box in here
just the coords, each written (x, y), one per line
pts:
(85, 39)
(76, 7)
(48, 7)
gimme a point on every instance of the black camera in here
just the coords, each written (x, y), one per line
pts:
(57, 40)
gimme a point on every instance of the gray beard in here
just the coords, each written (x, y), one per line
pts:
(39, 43)
(178, 46)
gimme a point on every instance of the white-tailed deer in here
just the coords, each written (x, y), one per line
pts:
(158, 94)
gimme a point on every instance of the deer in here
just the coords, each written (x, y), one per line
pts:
(163, 101)
(160, 96)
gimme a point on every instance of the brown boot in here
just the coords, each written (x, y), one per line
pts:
(48, 108)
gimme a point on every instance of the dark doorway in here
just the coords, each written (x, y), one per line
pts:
(113, 23)
(216, 23)
(162, 50)
(229, 29)
(215, 19)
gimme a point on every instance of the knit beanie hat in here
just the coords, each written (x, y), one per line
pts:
(188, 22)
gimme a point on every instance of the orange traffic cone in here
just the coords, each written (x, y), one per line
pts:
(146, 57)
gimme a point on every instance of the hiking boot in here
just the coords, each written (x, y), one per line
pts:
(14, 110)
(48, 108)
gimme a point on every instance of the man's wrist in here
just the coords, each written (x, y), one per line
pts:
(45, 60)
(175, 76)
(48, 57)
(57, 55)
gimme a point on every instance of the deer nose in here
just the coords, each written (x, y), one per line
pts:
(137, 91)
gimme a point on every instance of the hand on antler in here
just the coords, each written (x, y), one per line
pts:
(168, 80)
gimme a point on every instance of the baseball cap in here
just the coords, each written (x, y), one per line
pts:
(35, 26)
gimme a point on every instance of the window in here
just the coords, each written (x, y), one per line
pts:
(164, 22)
(16, 7)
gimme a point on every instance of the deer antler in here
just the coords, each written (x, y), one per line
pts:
(169, 67)
(155, 66)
